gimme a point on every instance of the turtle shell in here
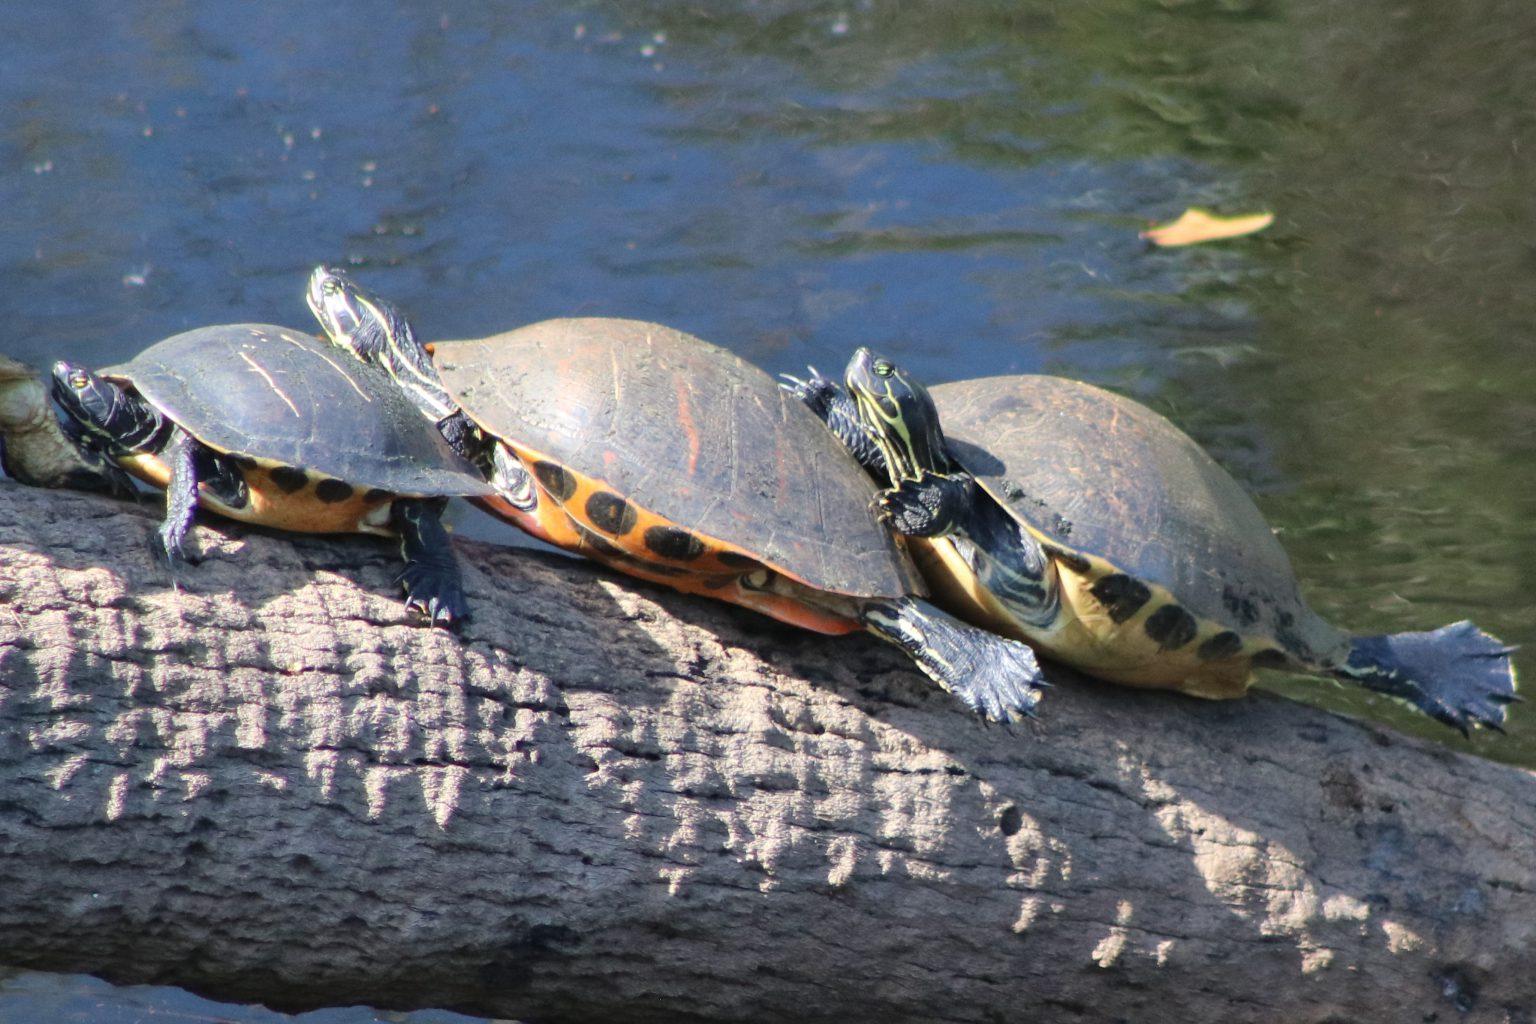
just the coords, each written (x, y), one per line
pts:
(688, 431)
(1102, 475)
(280, 395)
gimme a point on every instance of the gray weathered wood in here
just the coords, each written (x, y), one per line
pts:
(610, 802)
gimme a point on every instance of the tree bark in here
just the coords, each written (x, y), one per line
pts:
(607, 801)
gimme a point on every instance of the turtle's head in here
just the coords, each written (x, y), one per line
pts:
(377, 332)
(355, 319)
(900, 413)
(100, 415)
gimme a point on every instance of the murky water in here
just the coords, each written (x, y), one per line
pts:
(959, 184)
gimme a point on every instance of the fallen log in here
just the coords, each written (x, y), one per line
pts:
(606, 801)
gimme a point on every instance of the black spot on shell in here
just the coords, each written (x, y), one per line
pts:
(1077, 563)
(377, 494)
(671, 542)
(1271, 659)
(556, 479)
(1122, 596)
(1010, 821)
(289, 479)
(1241, 608)
(1222, 645)
(610, 513)
(735, 560)
(1171, 626)
(331, 491)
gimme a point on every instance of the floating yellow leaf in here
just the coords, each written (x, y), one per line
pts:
(1198, 225)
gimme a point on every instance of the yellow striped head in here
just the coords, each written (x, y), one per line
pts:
(353, 318)
(376, 331)
(102, 416)
(900, 413)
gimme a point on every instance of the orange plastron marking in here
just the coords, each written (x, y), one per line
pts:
(282, 497)
(587, 517)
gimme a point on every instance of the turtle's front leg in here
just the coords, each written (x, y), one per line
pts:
(831, 401)
(460, 433)
(431, 579)
(927, 505)
(180, 494)
(98, 475)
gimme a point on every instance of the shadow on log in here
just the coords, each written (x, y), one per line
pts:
(612, 802)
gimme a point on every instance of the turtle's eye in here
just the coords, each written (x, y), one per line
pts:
(883, 368)
(331, 286)
(78, 380)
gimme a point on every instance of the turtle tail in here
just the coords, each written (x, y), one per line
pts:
(1456, 674)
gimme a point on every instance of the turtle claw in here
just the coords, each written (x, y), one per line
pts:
(160, 553)
(173, 561)
(817, 392)
(996, 678)
(433, 596)
(924, 506)
(901, 511)
(433, 589)
(172, 546)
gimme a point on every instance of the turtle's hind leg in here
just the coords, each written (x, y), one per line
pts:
(1456, 674)
(431, 574)
(999, 679)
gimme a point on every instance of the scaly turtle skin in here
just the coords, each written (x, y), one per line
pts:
(1089, 526)
(33, 448)
(676, 462)
(268, 425)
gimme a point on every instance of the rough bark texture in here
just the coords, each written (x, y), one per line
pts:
(611, 802)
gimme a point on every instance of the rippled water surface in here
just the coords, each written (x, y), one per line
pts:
(957, 183)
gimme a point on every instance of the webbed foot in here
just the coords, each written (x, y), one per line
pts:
(928, 505)
(997, 678)
(173, 548)
(435, 595)
(1456, 674)
(433, 588)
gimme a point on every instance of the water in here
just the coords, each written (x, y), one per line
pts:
(959, 185)
(31, 997)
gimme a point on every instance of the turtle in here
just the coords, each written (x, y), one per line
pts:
(1089, 526)
(675, 461)
(34, 450)
(268, 425)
